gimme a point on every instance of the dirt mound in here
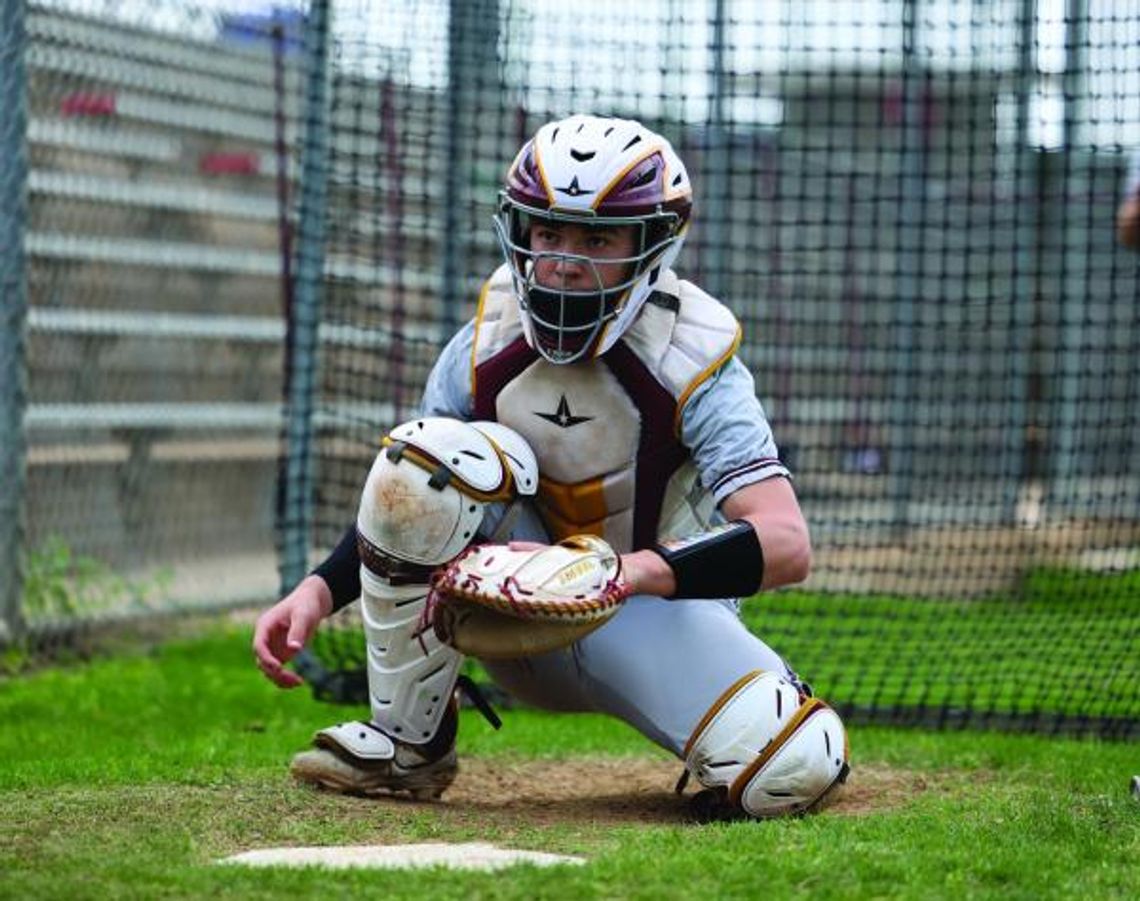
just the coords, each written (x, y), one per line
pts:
(630, 790)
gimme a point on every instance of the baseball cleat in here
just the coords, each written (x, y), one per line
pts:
(361, 759)
(334, 769)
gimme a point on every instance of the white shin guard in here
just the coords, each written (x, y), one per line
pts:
(772, 751)
(422, 504)
(411, 675)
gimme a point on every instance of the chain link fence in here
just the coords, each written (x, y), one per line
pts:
(158, 144)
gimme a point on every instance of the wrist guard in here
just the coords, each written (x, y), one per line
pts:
(724, 562)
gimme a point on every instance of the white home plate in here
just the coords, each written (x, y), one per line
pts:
(469, 856)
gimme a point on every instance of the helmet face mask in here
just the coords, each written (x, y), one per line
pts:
(566, 319)
(643, 189)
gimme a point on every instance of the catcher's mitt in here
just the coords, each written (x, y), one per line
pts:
(498, 603)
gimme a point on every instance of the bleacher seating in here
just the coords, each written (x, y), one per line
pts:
(155, 322)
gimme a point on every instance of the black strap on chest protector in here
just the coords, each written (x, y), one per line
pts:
(724, 562)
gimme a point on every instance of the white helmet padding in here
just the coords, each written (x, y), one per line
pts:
(775, 752)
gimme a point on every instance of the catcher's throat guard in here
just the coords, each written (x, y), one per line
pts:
(422, 504)
(771, 750)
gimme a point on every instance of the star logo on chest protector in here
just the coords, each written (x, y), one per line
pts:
(562, 417)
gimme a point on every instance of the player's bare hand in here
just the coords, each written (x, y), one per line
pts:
(645, 572)
(284, 629)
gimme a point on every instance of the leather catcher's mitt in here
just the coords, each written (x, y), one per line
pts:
(497, 603)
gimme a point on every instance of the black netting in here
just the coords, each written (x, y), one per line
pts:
(910, 206)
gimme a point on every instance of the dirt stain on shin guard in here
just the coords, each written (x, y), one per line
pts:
(405, 516)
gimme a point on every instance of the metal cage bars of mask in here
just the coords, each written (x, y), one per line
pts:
(568, 320)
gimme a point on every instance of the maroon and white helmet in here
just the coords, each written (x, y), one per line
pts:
(594, 171)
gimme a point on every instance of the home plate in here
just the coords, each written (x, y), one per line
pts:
(468, 856)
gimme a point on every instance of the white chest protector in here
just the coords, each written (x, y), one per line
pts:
(607, 431)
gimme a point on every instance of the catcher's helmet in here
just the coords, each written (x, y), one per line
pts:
(592, 171)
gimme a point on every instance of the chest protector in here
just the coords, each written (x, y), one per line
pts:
(606, 431)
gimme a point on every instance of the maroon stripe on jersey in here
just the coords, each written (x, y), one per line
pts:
(659, 453)
(494, 374)
(762, 463)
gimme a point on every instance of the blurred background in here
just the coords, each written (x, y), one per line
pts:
(236, 236)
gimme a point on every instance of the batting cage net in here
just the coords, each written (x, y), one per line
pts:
(242, 238)
(909, 205)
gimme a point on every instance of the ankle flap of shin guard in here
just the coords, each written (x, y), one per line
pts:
(361, 740)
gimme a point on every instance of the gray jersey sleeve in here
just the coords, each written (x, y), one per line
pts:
(448, 389)
(727, 432)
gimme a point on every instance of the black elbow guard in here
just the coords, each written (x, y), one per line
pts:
(724, 562)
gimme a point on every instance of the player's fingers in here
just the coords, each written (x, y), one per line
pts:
(524, 545)
(300, 631)
(270, 647)
(285, 678)
(270, 658)
(278, 675)
(263, 639)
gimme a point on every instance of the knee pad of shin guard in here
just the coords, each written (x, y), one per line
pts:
(771, 750)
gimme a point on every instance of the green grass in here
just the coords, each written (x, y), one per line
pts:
(61, 585)
(1052, 650)
(128, 777)
(1066, 646)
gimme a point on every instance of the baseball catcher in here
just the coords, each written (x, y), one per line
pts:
(592, 490)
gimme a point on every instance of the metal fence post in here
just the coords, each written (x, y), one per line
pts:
(909, 267)
(1073, 334)
(1022, 465)
(297, 513)
(453, 211)
(715, 211)
(472, 42)
(14, 304)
